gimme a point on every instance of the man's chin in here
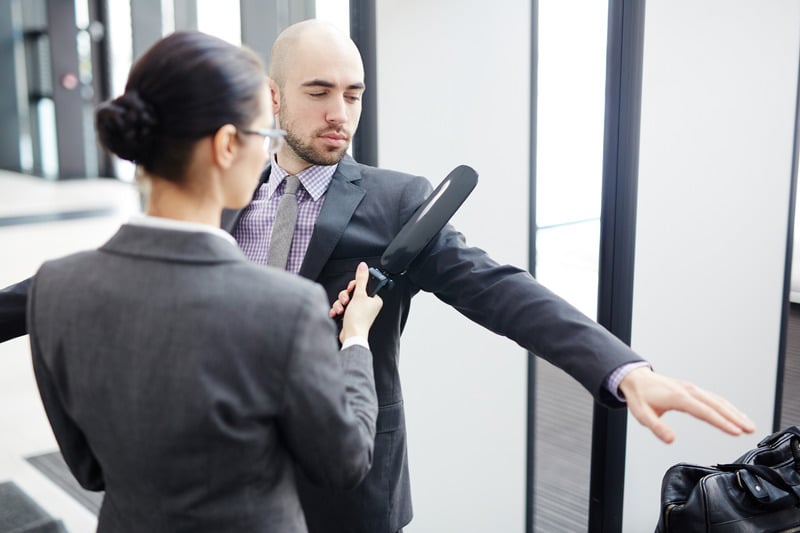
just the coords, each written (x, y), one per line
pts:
(320, 155)
(330, 157)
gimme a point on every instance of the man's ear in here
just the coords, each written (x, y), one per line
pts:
(225, 144)
(275, 96)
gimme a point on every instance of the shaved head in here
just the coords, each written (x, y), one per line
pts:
(317, 81)
(308, 36)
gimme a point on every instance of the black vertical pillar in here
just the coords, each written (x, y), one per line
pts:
(67, 88)
(37, 88)
(101, 72)
(263, 20)
(362, 30)
(530, 431)
(617, 241)
(146, 25)
(185, 14)
(301, 10)
(777, 422)
(14, 114)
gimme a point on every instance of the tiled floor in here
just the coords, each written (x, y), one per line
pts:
(24, 430)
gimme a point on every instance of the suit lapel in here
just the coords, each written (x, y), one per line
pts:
(341, 200)
(230, 217)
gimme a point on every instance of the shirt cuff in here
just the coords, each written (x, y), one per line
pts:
(355, 341)
(618, 374)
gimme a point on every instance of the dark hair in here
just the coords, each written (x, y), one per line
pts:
(184, 88)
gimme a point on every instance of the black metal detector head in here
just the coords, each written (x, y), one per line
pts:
(422, 227)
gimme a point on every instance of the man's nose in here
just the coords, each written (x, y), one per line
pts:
(337, 111)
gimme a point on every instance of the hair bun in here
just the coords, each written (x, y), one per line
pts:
(127, 126)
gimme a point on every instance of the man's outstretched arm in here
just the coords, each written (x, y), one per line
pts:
(13, 302)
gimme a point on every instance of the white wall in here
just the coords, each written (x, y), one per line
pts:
(718, 113)
(453, 88)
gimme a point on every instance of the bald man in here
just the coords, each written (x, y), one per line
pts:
(348, 212)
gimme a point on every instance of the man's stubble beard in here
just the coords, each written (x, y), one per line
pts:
(305, 150)
(309, 154)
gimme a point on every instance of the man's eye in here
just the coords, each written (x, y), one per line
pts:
(316, 95)
(353, 97)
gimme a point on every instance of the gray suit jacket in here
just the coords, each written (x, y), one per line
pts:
(186, 382)
(364, 209)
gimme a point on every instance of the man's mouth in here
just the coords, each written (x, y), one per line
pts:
(334, 138)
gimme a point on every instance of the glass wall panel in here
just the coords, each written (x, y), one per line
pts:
(570, 106)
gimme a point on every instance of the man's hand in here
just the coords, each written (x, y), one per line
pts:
(650, 395)
(362, 309)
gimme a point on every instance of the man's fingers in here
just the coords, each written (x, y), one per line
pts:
(730, 412)
(708, 407)
(336, 310)
(662, 430)
(717, 411)
(344, 295)
(651, 420)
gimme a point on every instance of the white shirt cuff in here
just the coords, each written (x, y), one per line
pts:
(355, 341)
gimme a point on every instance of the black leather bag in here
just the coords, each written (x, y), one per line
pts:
(758, 493)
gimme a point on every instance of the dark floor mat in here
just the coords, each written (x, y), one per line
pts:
(53, 466)
(19, 513)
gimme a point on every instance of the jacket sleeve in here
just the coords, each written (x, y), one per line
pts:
(510, 302)
(13, 300)
(330, 404)
(71, 440)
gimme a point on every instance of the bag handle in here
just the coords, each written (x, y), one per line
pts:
(766, 473)
(794, 443)
(769, 439)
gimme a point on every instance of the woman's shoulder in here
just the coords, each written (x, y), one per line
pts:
(65, 265)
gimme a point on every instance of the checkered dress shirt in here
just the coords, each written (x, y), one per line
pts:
(254, 229)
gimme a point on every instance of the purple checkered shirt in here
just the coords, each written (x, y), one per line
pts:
(255, 226)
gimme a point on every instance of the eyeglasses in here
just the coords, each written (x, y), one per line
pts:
(272, 138)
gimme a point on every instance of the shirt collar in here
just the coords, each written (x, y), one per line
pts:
(179, 225)
(315, 179)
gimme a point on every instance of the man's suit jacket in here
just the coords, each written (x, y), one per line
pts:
(186, 382)
(364, 209)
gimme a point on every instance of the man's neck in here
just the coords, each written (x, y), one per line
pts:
(291, 163)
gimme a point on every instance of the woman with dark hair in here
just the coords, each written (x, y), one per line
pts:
(178, 377)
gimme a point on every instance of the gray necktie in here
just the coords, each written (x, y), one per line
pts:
(283, 228)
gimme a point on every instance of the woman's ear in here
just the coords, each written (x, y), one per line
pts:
(225, 144)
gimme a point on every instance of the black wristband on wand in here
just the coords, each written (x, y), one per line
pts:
(422, 227)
